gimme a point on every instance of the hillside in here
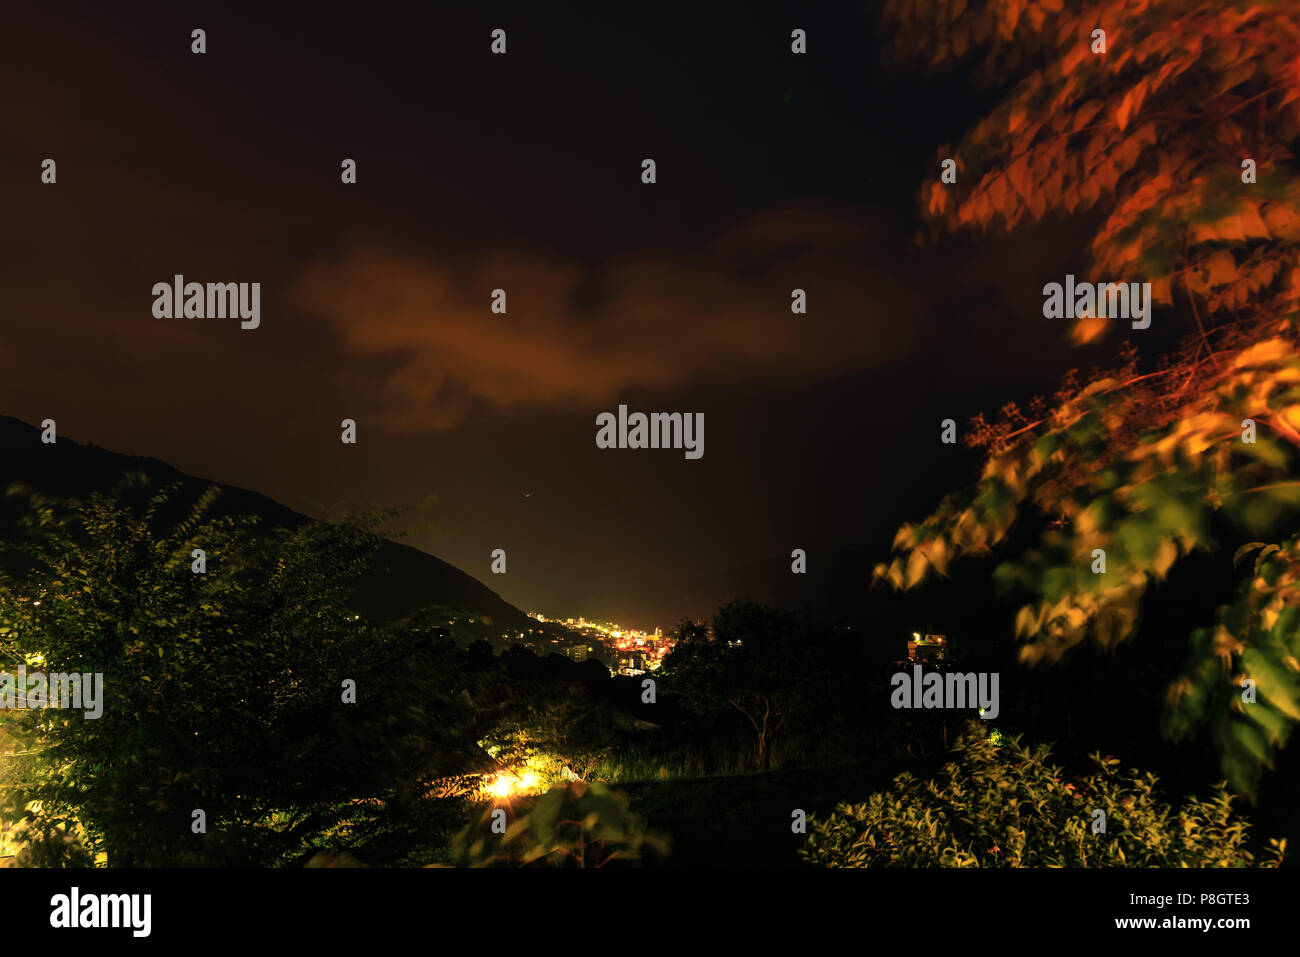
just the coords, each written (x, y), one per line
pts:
(402, 579)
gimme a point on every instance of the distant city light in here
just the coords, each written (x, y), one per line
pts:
(634, 651)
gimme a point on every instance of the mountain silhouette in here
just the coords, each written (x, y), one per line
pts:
(401, 580)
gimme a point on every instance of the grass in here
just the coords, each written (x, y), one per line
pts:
(745, 820)
(652, 758)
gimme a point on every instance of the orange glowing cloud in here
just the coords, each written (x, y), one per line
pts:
(574, 336)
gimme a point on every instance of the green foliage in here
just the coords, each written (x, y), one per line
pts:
(1006, 806)
(556, 733)
(42, 840)
(222, 690)
(572, 825)
(764, 663)
(333, 859)
(1257, 638)
(1146, 467)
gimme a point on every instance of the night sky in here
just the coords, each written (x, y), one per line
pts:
(521, 171)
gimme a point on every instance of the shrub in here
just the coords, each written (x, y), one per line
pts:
(1006, 806)
(43, 840)
(572, 825)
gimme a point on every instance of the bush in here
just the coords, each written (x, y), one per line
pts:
(572, 825)
(1005, 806)
(42, 840)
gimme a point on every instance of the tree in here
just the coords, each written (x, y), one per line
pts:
(222, 688)
(1146, 463)
(759, 662)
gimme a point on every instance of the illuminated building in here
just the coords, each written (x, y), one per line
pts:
(930, 648)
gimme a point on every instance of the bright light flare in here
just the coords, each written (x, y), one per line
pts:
(507, 785)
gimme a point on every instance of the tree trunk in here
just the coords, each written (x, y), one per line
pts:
(765, 733)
